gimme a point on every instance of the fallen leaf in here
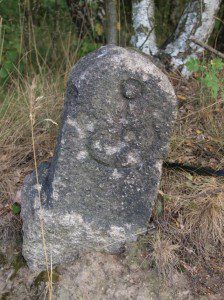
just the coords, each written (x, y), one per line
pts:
(198, 131)
(181, 97)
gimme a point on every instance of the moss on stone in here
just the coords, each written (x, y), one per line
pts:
(3, 259)
(18, 262)
(5, 296)
(43, 277)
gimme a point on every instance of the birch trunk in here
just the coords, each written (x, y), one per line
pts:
(197, 22)
(144, 37)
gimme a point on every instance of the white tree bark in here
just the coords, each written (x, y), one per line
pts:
(197, 22)
(143, 22)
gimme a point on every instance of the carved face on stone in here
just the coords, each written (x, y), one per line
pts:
(126, 133)
(118, 118)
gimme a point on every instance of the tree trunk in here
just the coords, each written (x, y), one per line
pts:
(111, 15)
(143, 22)
(197, 22)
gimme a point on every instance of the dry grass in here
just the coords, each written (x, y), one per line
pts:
(30, 113)
(15, 135)
(196, 205)
(194, 211)
(29, 126)
(190, 227)
(189, 214)
(32, 101)
(190, 230)
(163, 254)
(198, 135)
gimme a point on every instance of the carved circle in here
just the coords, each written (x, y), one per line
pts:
(131, 88)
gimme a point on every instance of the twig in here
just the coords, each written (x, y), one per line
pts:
(200, 110)
(207, 47)
(147, 38)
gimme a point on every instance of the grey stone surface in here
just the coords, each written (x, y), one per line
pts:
(98, 191)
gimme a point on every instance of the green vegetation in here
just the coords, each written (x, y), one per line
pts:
(16, 208)
(167, 14)
(18, 262)
(43, 277)
(39, 44)
(36, 37)
(3, 259)
(209, 74)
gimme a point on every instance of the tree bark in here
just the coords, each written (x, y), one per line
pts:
(144, 37)
(197, 22)
(111, 17)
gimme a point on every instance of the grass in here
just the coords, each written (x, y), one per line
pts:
(189, 214)
(194, 210)
(164, 254)
(15, 136)
(189, 227)
(190, 230)
(190, 222)
(198, 135)
(32, 101)
(29, 118)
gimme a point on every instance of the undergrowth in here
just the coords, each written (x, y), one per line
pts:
(198, 135)
(46, 52)
(189, 215)
(186, 230)
(36, 54)
(189, 212)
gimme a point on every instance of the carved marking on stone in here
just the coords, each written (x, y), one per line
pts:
(124, 130)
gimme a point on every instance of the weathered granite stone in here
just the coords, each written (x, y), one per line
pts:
(98, 191)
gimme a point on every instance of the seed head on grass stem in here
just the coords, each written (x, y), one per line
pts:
(41, 216)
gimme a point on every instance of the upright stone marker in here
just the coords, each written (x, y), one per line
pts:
(98, 191)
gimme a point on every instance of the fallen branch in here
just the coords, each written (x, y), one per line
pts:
(207, 47)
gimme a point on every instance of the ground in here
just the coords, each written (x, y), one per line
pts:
(182, 255)
(95, 276)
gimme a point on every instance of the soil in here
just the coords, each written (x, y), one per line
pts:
(93, 275)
